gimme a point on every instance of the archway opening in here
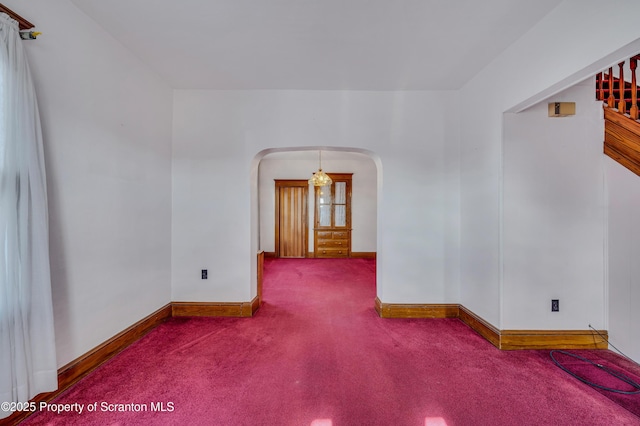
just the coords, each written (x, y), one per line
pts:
(299, 163)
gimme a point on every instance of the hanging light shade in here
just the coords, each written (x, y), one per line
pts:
(320, 178)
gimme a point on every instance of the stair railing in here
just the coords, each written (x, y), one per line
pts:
(626, 93)
(633, 111)
(621, 124)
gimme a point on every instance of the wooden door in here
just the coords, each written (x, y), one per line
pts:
(292, 231)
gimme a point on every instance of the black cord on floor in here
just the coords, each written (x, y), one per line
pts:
(615, 374)
(611, 344)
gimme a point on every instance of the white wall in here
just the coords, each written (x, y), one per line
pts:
(217, 134)
(537, 66)
(439, 156)
(300, 165)
(554, 215)
(623, 188)
(107, 135)
(452, 248)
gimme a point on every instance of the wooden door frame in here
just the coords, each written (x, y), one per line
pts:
(287, 183)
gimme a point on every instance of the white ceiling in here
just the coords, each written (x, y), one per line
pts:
(317, 44)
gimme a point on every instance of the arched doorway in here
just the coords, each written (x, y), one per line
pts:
(299, 163)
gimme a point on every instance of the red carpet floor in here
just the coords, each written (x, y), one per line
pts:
(316, 353)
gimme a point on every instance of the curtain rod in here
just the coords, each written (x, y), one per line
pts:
(23, 24)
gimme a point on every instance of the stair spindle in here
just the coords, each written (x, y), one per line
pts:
(622, 106)
(600, 86)
(611, 100)
(633, 112)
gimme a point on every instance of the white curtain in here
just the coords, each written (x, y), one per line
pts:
(27, 346)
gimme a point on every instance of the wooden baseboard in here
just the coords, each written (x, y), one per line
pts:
(311, 255)
(501, 339)
(83, 365)
(215, 309)
(390, 310)
(480, 326)
(250, 308)
(505, 339)
(260, 275)
(363, 254)
(553, 339)
(534, 339)
(75, 370)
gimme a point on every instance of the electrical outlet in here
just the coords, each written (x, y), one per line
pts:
(555, 305)
(204, 274)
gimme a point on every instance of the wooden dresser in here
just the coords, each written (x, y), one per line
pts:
(333, 243)
(332, 223)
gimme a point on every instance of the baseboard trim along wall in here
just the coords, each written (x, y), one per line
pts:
(553, 339)
(75, 370)
(78, 368)
(215, 309)
(386, 310)
(501, 339)
(354, 254)
(363, 254)
(480, 326)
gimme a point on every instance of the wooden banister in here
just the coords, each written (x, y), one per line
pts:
(633, 111)
(622, 106)
(621, 126)
(23, 24)
(600, 88)
(611, 100)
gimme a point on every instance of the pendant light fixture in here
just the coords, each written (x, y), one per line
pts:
(320, 178)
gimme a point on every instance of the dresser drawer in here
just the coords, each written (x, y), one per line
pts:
(340, 235)
(332, 252)
(332, 243)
